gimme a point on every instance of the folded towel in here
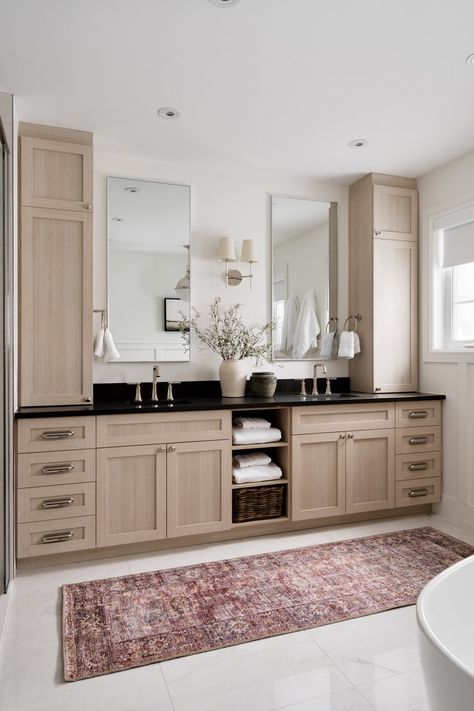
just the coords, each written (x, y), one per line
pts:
(110, 351)
(253, 459)
(252, 423)
(307, 327)
(349, 344)
(328, 343)
(266, 473)
(250, 436)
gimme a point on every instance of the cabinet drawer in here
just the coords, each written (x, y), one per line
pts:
(154, 428)
(339, 418)
(50, 468)
(418, 439)
(417, 464)
(51, 434)
(417, 491)
(46, 503)
(61, 536)
(418, 414)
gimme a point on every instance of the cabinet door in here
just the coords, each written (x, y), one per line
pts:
(55, 307)
(56, 174)
(395, 316)
(199, 488)
(131, 494)
(370, 470)
(395, 213)
(318, 476)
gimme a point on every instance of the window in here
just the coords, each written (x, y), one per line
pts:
(453, 282)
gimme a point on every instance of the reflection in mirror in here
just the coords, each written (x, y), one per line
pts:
(148, 268)
(304, 275)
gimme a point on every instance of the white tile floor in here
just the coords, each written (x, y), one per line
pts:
(360, 665)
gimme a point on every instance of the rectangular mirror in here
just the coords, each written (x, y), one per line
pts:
(148, 233)
(304, 275)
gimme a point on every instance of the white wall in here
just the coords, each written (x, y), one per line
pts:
(445, 188)
(222, 203)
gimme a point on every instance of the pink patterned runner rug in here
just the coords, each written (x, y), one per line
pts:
(119, 623)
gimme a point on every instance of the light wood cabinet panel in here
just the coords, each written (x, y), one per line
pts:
(131, 494)
(418, 491)
(61, 536)
(418, 439)
(421, 413)
(318, 476)
(370, 470)
(53, 468)
(54, 434)
(46, 503)
(199, 488)
(56, 174)
(417, 465)
(148, 428)
(395, 213)
(55, 307)
(339, 418)
(395, 359)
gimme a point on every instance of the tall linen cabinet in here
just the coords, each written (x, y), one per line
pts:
(55, 365)
(383, 282)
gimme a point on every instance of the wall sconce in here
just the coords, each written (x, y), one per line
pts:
(226, 253)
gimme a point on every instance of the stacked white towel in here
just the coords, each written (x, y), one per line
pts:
(241, 435)
(252, 423)
(251, 459)
(349, 344)
(245, 475)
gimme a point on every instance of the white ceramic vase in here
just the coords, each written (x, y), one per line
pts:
(233, 377)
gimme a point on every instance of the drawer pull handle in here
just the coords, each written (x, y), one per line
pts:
(59, 469)
(418, 467)
(59, 434)
(58, 537)
(417, 414)
(57, 503)
(413, 493)
(418, 440)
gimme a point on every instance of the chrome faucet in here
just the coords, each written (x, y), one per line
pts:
(154, 390)
(315, 390)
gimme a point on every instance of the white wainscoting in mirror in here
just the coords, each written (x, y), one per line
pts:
(304, 275)
(148, 232)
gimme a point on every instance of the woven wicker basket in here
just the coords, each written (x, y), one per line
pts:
(257, 503)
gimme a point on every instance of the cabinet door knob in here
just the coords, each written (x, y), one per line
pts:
(342, 436)
(378, 233)
(87, 399)
(161, 450)
(378, 389)
(350, 435)
(88, 206)
(171, 448)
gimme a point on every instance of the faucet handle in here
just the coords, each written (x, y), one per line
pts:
(303, 387)
(138, 392)
(169, 395)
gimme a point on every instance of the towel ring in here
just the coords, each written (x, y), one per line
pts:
(103, 320)
(352, 317)
(332, 320)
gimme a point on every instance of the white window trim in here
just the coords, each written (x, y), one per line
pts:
(431, 287)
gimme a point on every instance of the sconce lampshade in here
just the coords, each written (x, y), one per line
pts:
(226, 250)
(249, 251)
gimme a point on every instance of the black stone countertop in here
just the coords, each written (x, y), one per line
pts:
(117, 399)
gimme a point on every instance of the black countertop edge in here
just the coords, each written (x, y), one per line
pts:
(218, 403)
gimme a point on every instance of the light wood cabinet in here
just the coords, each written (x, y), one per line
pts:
(318, 471)
(55, 287)
(131, 494)
(52, 434)
(383, 282)
(199, 488)
(370, 470)
(338, 418)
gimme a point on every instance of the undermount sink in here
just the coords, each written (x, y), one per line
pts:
(160, 403)
(332, 396)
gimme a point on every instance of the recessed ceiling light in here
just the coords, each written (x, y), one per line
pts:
(167, 112)
(132, 189)
(357, 143)
(470, 60)
(224, 3)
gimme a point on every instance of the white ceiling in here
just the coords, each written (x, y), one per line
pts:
(294, 216)
(277, 85)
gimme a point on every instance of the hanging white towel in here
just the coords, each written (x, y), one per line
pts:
(99, 344)
(267, 473)
(328, 344)
(252, 423)
(241, 436)
(252, 459)
(110, 351)
(307, 327)
(349, 344)
(289, 324)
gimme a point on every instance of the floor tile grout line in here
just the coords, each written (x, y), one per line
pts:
(167, 688)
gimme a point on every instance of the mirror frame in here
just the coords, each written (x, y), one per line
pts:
(107, 280)
(333, 266)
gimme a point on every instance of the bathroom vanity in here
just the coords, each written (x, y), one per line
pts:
(112, 475)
